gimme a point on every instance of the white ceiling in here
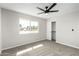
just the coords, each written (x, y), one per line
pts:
(30, 8)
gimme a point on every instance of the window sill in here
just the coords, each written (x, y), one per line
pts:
(28, 32)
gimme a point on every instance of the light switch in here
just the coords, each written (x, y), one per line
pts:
(72, 29)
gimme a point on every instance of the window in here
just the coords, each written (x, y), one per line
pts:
(28, 26)
(34, 26)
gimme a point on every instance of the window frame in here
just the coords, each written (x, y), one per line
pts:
(30, 25)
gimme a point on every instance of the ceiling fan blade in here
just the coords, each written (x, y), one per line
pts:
(54, 11)
(52, 6)
(41, 13)
(41, 9)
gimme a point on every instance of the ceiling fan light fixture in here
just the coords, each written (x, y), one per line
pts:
(46, 13)
(48, 9)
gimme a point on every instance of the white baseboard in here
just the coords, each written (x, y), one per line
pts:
(68, 45)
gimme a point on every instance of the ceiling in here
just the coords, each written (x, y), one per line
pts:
(30, 8)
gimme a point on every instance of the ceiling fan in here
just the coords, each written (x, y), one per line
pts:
(48, 9)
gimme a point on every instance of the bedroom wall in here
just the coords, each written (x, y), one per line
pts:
(10, 29)
(64, 26)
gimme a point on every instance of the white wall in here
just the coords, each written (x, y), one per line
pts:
(0, 30)
(64, 26)
(10, 30)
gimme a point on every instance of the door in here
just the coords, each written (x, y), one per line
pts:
(53, 30)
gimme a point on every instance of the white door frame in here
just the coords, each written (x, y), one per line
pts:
(49, 28)
(0, 31)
